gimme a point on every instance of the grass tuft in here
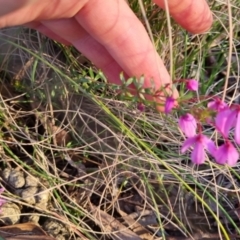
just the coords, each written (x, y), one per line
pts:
(94, 153)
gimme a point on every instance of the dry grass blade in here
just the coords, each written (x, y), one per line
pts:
(135, 226)
(111, 226)
(23, 231)
(62, 125)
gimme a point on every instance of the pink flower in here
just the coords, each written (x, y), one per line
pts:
(217, 104)
(192, 85)
(188, 125)
(141, 107)
(169, 104)
(237, 128)
(199, 143)
(227, 154)
(225, 120)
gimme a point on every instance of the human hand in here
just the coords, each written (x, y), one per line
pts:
(107, 32)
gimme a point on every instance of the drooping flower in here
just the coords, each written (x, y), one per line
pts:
(237, 128)
(188, 124)
(199, 143)
(225, 120)
(192, 85)
(169, 104)
(227, 154)
(141, 107)
(217, 104)
(229, 118)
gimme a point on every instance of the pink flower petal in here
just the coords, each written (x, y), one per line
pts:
(227, 154)
(198, 154)
(2, 201)
(188, 125)
(169, 104)
(217, 104)
(225, 120)
(192, 85)
(237, 129)
(141, 107)
(199, 142)
(209, 145)
(188, 143)
(233, 157)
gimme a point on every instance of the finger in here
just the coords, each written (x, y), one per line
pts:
(47, 32)
(68, 30)
(125, 38)
(72, 32)
(20, 12)
(194, 15)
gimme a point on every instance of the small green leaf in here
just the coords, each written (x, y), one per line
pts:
(148, 91)
(141, 96)
(141, 81)
(128, 94)
(128, 82)
(122, 77)
(53, 93)
(91, 73)
(188, 96)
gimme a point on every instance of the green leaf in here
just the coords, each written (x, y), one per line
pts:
(121, 76)
(141, 96)
(188, 96)
(91, 73)
(128, 82)
(141, 81)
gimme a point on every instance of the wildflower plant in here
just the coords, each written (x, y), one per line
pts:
(218, 114)
(223, 118)
(150, 152)
(169, 105)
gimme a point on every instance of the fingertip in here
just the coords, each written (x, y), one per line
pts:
(194, 16)
(202, 25)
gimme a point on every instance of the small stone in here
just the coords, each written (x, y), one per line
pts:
(42, 198)
(6, 173)
(56, 229)
(10, 213)
(31, 181)
(32, 218)
(28, 194)
(16, 179)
